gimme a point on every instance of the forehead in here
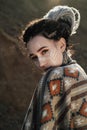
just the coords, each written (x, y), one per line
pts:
(38, 42)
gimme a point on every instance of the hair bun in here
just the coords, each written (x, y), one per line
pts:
(65, 12)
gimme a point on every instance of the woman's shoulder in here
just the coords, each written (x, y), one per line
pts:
(72, 70)
(56, 73)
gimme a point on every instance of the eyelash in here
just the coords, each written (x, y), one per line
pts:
(35, 57)
(44, 52)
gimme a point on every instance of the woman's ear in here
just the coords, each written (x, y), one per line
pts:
(62, 44)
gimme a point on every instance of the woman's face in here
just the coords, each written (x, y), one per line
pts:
(46, 53)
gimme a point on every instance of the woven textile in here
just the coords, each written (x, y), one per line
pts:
(64, 103)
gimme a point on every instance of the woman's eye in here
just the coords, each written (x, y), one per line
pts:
(44, 52)
(34, 58)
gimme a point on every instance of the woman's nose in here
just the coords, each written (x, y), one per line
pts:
(41, 62)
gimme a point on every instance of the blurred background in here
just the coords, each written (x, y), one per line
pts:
(18, 76)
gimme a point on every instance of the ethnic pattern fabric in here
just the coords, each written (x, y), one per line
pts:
(55, 87)
(65, 100)
(47, 113)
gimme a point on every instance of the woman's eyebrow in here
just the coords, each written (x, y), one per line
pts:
(41, 48)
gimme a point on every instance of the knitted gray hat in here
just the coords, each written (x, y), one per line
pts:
(65, 12)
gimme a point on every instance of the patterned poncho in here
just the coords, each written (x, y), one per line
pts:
(62, 104)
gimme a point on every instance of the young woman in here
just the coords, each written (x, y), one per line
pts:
(60, 99)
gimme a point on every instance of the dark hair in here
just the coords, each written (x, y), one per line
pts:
(48, 28)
